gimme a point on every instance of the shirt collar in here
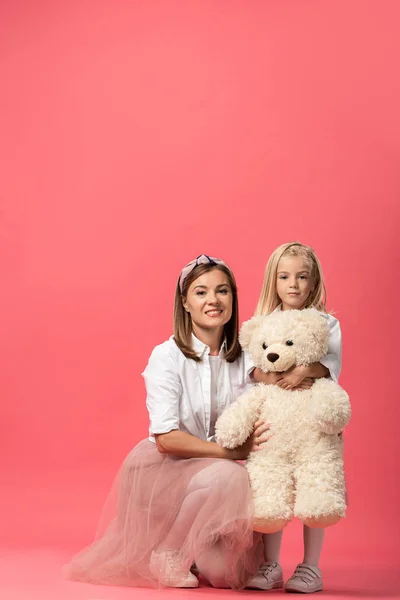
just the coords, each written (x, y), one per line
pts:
(201, 348)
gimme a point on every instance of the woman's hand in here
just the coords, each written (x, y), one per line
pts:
(254, 443)
(261, 435)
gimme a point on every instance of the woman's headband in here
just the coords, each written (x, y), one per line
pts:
(203, 259)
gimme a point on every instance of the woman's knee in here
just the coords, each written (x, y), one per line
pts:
(217, 580)
(222, 474)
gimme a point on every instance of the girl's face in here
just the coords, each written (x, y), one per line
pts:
(294, 282)
(209, 301)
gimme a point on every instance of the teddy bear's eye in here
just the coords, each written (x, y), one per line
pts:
(265, 346)
(289, 343)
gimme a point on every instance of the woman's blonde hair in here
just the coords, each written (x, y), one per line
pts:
(183, 320)
(269, 298)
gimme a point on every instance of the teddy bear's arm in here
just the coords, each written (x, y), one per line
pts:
(236, 423)
(330, 406)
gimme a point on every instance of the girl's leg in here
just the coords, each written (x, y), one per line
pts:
(269, 575)
(307, 577)
(313, 542)
(272, 546)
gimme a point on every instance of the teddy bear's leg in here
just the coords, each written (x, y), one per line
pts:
(320, 488)
(268, 525)
(321, 522)
(272, 487)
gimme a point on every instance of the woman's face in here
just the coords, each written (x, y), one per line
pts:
(209, 301)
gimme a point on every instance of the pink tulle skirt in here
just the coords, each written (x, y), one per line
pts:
(151, 489)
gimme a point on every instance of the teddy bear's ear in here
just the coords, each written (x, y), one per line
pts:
(247, 330)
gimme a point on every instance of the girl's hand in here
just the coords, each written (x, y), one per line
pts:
(267, 378)
(292, 379)
(306, 384)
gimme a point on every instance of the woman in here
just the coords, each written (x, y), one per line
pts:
(182, 499)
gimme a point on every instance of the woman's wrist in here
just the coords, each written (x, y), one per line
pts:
(228, 453)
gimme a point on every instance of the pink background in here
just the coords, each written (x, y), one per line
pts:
(137, 135)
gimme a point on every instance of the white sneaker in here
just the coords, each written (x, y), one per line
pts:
(268, 577)
(165, 566)
(306, 579)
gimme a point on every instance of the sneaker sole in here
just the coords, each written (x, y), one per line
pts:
(274, 586)
(298, 591)
(183, 585)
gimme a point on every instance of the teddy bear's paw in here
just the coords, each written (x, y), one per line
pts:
(227, 439)
(330, 409)
(226, 434)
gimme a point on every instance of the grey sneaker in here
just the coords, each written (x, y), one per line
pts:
(166, 567)
(268, 577)
(306, 579)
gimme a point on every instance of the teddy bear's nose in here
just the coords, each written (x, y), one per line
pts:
(272, 357)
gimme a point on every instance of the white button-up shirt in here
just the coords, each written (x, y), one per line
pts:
(179, 388)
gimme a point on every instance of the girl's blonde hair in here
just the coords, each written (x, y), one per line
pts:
(183, 320)
(269, 298)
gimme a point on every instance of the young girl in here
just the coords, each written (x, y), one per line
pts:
(293, 280)
(182, 498)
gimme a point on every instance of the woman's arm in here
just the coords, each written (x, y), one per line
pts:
(163, 387)
(185, 445)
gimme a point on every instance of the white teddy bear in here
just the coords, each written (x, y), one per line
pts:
(299, 471)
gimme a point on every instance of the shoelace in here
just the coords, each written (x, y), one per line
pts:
(306, 574)
(172, 564)
(266, 569)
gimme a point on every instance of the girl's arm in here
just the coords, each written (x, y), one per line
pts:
(305, 381)
(333, 359)
(296, 376)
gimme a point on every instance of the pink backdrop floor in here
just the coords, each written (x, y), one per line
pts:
(34, 574)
